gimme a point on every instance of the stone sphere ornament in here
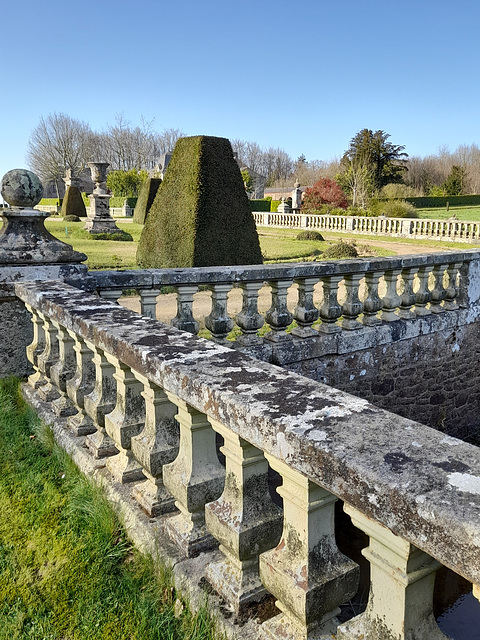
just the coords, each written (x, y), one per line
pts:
(21, 188)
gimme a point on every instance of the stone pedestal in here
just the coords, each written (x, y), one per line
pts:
(99, 219)
(27, 252)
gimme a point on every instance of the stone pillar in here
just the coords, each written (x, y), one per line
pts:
(306, 571)
(27, 252)
(401, 589)
(194, 478)
(244, 520)
(99, 219)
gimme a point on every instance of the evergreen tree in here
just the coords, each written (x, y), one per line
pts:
(382, 161)
(453, 185)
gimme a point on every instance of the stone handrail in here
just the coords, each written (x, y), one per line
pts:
(422, 229)
(413, 286)
(413, 490)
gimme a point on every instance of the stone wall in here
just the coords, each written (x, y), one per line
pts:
(431, 378)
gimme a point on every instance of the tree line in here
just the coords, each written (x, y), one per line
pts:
(371, 165)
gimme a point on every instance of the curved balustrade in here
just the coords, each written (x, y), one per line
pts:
(451, 231)
(412, 490)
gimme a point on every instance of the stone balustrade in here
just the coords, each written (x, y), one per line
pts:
(161, 395)
(374, 293)
(448, 230)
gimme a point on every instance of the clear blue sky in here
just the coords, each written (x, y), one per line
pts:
(304, 76)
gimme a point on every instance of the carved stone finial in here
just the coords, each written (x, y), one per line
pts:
(21, 188)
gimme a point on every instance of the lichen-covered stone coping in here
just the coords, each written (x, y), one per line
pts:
(421, 484)
(151, 278)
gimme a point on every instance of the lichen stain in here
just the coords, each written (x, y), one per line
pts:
(465, 482)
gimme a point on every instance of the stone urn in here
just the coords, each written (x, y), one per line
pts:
(98, 172)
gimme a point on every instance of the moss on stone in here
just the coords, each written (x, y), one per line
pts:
(73, 204)
(201, 215)
(147, 194)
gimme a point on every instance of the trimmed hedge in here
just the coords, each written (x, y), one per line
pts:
(117, 201)
(71, 218)
(116, 236)
(434, 202)
(340, 250)
(73, 204)
(274, 204)
(260, 205)
(147, 194)
(201, 215)
(309, 234)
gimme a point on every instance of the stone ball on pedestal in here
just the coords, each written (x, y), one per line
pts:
(21, 188)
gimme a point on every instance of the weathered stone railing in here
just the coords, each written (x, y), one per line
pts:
(412, 287)
(123, 377)
(449, 230)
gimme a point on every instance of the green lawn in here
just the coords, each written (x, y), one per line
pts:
(277, 244)
(67, 569)
(462, 213)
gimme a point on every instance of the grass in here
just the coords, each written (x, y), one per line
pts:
(278, 245)
(471, 214)
(67, 570)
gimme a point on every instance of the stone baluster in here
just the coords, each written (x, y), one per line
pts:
(352, 307)
(62, 371)
(45, 361)
(125, 421)
(154, 447)
(184, 319)
(82, 383)
(450, 303)
(244, 520)
(372, 303)
(306, 571)
(148, 302)
(439, 292)
(408, 296)
(278, 316)
(330, 310)
(35, 348)
(194, 478)
(112, 295)
(249, 319)
(305, 313)
(99, 402)
(391, 300)
(423, 295)
(401, 588)
(219, 322)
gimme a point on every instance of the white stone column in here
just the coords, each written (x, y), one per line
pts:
(154, 447)
(306, 572)
(244, 520)
(125, 421)
(401, 589)
(194, 478)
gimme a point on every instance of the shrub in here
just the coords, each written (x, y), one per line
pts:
(393, 208)
(115, 236)
(201, 215)
(341, 250)
(126, 183)
(274, 204)
(145, 200)
(71, 218)
(310, 234)
(119, 201)
(260, 205)
(73, 204)
(324, 191)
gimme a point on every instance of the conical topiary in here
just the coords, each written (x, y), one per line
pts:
(201, 215)
(73, 204)
(147, 194)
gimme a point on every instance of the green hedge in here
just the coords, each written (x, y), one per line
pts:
(200, 216)
(274, 204)
(147, 194)
(117, 201)
(73, 204)
(438, 202)
(260, 205)
(51, 202)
